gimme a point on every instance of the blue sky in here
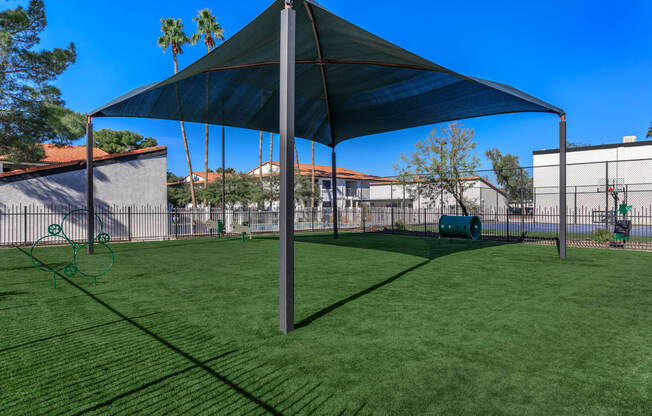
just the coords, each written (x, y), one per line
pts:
(593, 59)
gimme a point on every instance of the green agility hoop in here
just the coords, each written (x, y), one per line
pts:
(71, 269)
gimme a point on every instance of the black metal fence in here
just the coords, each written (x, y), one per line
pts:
(23, 225)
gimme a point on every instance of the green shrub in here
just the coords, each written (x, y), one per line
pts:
(399, 225)
(602, 236)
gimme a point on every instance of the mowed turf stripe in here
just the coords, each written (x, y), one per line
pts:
(184, 354)
(114, 356)
(71, 332)
(97, 370)
(151, 383)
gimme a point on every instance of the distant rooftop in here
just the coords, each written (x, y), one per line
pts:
(322, 171)
(56, 168)
(63, 154)
(596, 147)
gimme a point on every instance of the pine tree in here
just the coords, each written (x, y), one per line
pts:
(31, 108)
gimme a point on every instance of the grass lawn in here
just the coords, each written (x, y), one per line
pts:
(386, 325)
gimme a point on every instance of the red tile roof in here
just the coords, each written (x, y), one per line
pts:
(322, 171)
(212, 176)
(63, 154)
(105, 156)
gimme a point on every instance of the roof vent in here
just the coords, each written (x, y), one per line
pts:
(629, 139)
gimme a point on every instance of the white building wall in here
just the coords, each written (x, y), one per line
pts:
(587, 169)
(480, 194)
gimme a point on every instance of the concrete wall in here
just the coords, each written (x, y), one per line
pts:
(139, 183)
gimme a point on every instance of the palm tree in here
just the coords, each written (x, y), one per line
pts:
(649, 131)
(174, 38)
(210, 30)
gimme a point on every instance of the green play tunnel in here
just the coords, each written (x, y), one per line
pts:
(465, 227)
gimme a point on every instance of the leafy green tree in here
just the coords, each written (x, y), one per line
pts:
(304, 194)
(174, 38)
(442, 163)
(649, 131)
(209, 29)
(226, 171)
(179, 196)
(171, 177)
(516, 182)
(242, 190)
(31, 108)
(118, 141)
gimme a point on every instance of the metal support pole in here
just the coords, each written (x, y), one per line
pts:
(334, 187)
(562, 187)
(522, 204)
(391, 205)
(90, 203)
(223, 182)
(286, 130)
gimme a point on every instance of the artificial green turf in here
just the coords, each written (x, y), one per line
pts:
(386, 325)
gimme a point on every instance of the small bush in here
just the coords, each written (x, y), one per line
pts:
(399, 225)
(602, 236)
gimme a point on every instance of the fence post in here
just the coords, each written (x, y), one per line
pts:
(575, 212)
(425, 222)
(25, 224)
(522, 204)
(129, 222)
(606, 195)
(507, 213)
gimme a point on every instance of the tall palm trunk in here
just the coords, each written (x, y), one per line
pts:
(296, 155)
(185, 145)
(208, 49)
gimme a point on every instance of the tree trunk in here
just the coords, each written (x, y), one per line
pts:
(459, 197)
(296, 155)
(185, 145)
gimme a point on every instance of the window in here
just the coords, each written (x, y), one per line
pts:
(326, 184)
(351, 188)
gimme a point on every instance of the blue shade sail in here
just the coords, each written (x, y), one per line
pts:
(372, 85)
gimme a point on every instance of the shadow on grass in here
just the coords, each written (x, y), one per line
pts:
(77, 331)
(12, 293)
(357, 295)
(427, 248)
(170, 346)
(151, 384)
(245, 393)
